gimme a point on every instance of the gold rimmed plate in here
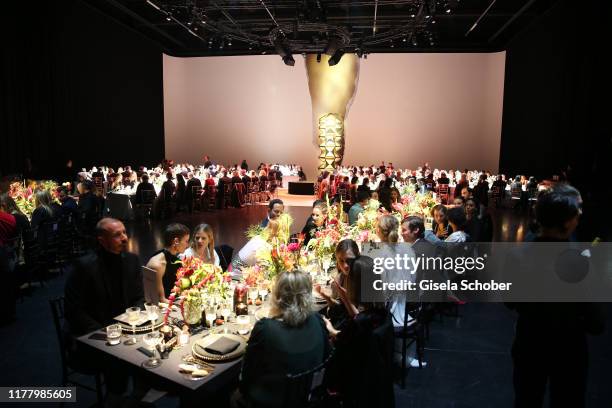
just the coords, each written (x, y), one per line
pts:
(199, 347)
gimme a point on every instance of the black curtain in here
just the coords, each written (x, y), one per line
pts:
(77, 85)
(556, 105)
(555, 96)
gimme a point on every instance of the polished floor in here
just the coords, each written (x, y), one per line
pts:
(468, 357)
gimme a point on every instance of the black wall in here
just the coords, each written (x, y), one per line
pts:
(76, 84)
(557, 88)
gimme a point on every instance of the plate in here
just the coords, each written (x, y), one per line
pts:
(198, 347)
(188, 376)
(144, 328)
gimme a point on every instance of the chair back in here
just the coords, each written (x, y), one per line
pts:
(196, 192)
(302, 388)
(516, 193)
(57, 312)
(148, 196)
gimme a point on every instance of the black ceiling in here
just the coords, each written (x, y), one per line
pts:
(216, 27)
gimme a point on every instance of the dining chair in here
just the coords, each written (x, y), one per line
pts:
(69, 368)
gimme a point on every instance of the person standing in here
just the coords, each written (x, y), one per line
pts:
(550, 342)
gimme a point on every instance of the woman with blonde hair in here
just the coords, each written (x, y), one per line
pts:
(388, 232)
(43, 210)
(203, 245)
(292, 340)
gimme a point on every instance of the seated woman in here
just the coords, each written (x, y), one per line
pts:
(440, 226)
(166, 261)
(43, 210)
(388, 230)
(346, 253)
(292, 340)
(362, 370)
(457, 221)
(316, 221)
(203, 245)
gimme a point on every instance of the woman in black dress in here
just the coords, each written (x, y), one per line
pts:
(292, 340)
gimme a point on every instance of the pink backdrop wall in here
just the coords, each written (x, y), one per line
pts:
(409, 108)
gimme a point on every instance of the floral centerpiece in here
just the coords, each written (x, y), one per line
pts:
(195, 279)
(24, 196)
(415, 203)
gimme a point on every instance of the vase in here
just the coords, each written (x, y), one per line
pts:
(192, 311)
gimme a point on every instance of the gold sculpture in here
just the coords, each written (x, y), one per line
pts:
(332, 89)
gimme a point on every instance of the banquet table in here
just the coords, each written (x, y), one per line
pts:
(118, 205)
(168, 373)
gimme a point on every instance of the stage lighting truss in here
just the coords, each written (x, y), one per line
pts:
(331, 141)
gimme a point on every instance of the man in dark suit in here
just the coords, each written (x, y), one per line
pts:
(546, 332)
(275, 208)
(103, 283)
(223, 181)
(101, 286)
(189, 190)
(89, 206)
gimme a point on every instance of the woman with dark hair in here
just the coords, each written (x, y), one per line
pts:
(166, 261)
(292, 340)
(346, 253)
(366, 381)
(396, 197)
(440, 226)
(181, 188)
(8, 205)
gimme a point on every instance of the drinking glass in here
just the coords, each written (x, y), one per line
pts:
(152, 313)
(263, 292)
(225, 311)
(211, 315)
(133, 315)
(243, 323)
(253, 294)
(113, 334)
(152, 340)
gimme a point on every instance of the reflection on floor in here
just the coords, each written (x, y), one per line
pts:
(468, 356)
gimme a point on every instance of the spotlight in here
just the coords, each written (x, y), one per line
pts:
(318, 57)
(288, 60)
(404, 39)
(229, 43)
(334, 59)
(332, 45)
(448, 11)
(168, 18)
(413, 15)
(282, 48)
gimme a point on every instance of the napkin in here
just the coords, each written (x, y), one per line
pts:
(222, 346)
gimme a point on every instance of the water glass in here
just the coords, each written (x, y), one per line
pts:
(113, 334)
(243, 323)
(152, 340)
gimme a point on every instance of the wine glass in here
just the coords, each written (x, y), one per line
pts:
(133, 316)
(211, 315)
(152, 340)
(263, 292)
(253, 294)
(152, 313)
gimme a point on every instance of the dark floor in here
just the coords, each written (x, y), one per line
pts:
(468, 356)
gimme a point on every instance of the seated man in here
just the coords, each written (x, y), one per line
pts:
(275, 208)
(362, 202)
(101, 286)
(145, 185)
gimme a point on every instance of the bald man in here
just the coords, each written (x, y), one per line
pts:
(103, 283)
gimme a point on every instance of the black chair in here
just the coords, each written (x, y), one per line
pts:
(70, 369)
(225, 253)
(306, 389)
(412, 331)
